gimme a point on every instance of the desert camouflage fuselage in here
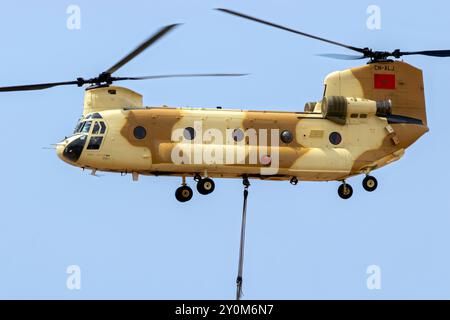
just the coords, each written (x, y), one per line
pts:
(367, 118)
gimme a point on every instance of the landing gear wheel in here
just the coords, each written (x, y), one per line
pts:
(345, 191)
(205, 186)
(183, 194)
(370, 183)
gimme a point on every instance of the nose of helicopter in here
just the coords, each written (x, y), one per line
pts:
(60, 149)
(71, 148)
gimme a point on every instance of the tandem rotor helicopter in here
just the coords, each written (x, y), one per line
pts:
(367, 118)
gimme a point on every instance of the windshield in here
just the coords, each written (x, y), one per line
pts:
(99, 127)
(78, 127)
(86, 127)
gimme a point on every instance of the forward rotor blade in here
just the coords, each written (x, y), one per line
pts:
(39, 86)
(341, 56)
(431, 53)
(193, 75)
(241, 15)
(147, 43)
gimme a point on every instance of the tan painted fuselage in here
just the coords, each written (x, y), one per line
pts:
(237, 143)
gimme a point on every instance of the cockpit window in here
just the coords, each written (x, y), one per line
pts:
(81, 126)
(94, 116)
(73, 150)
(84, 124)
(86, 127)
(94, 143)
(78, 127)
(103, 127)
(96, 128)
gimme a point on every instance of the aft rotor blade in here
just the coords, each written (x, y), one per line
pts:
(241, 15)
(341, 56)
(431, 53)
(147, 43)
(192, 75)
(39, 86)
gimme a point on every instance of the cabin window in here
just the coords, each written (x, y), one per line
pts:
(238, 135)
(139, 132)
(354, 115)
(363, 116)
(189, 133)
(286, 136)
(335, 138)
(94, 143)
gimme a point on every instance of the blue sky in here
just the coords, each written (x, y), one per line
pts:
(134, 240)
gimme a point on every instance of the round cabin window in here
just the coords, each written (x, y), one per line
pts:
(286, 136)
(335, 138)
(238, 135)
(139, 132)
(189, 133)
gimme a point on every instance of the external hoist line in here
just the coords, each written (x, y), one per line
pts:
(246, 183)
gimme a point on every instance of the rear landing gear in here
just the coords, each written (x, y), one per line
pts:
(205, 186)
(345, 191)
(183, 193)
(370, 183)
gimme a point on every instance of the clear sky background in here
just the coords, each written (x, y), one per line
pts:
(134, 240)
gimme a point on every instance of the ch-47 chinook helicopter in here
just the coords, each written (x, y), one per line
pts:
(367, 118)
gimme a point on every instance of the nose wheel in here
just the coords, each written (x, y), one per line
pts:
(370, 183)
(345, 191)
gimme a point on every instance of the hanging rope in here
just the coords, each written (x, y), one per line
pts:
(241, 248)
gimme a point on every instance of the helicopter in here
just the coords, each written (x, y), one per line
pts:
(366, 119)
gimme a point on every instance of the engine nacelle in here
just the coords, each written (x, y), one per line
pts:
(339, 109)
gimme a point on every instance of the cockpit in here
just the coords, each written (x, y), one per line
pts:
(89, 130)
(84, 124)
